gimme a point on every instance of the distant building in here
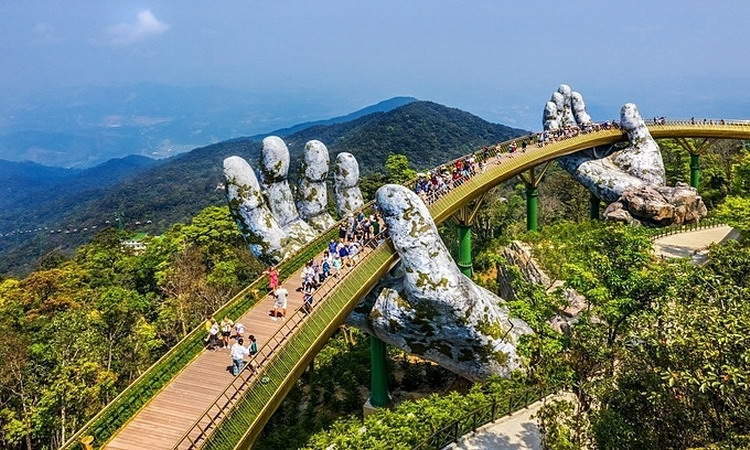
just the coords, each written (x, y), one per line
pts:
(134, 246)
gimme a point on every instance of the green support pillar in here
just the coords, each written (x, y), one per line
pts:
(532, 208)
(465, 263)
(594, 206)
(695, 170)
(379, 396)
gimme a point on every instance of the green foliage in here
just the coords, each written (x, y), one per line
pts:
(556, 425)
(331, 389)
(78, 331)
(411, 422)
(735, 211)
(398, 170)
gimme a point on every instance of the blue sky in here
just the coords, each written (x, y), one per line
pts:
(497, 59)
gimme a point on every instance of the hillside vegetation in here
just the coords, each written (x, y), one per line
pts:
(426, 132)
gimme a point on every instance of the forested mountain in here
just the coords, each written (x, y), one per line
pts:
(85, 126)
(30, 192)
(426, 132)
(384, 106)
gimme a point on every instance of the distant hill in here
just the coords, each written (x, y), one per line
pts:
(426, 132)
(384, 106)
(34, 195)
(85, 126)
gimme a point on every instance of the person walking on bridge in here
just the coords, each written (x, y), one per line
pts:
(273, 278)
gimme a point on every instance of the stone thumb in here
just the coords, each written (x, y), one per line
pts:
(430, 272)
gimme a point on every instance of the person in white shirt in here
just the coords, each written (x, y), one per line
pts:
(239, 330)
(280, 303)
(239, 352)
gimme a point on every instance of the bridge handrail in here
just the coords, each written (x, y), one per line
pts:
(499, 406)
(711, 222)
(171, 363)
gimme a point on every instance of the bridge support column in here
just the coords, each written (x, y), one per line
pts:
(465, 263)
(379, 396)
(695, 170)
(594, 207)
(695, 148)
(464, 218)
(532, 208)
(531, 180)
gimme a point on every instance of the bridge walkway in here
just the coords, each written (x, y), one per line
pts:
(164, 420)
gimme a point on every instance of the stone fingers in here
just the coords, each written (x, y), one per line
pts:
(581, 116)
(313, 193)
(346, 188)
(642, 158)
(248, 206)
(275, 167)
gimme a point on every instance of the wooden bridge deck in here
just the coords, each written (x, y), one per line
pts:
(166, 418)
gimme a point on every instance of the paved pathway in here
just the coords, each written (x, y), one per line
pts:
(518, 431)
(693, 244)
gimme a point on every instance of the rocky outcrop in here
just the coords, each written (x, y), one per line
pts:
(637, 169)
(428, 307)
(658, 205)
(521, 263)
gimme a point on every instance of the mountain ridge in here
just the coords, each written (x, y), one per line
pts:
(426, 132)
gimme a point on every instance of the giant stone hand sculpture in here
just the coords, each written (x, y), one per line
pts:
(632, 179)
(267, 214)
(426, 306)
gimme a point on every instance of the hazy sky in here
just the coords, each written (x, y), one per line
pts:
(498, 59)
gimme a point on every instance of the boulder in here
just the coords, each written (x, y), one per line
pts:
(521, 263)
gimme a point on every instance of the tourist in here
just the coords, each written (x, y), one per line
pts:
(307, 301)
(308, 275)
(273, 278)
(333, 247)
(279, 306)
(325, 267)
(239, 352)
(344, 254)
(253, 348)
(366, 226)
(213, 335)
(354, 250)
(336, 264)
(342, 232)
(226, 331)
(239, 330)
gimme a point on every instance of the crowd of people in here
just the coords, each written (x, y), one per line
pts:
(442, 179)
(230, 335)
